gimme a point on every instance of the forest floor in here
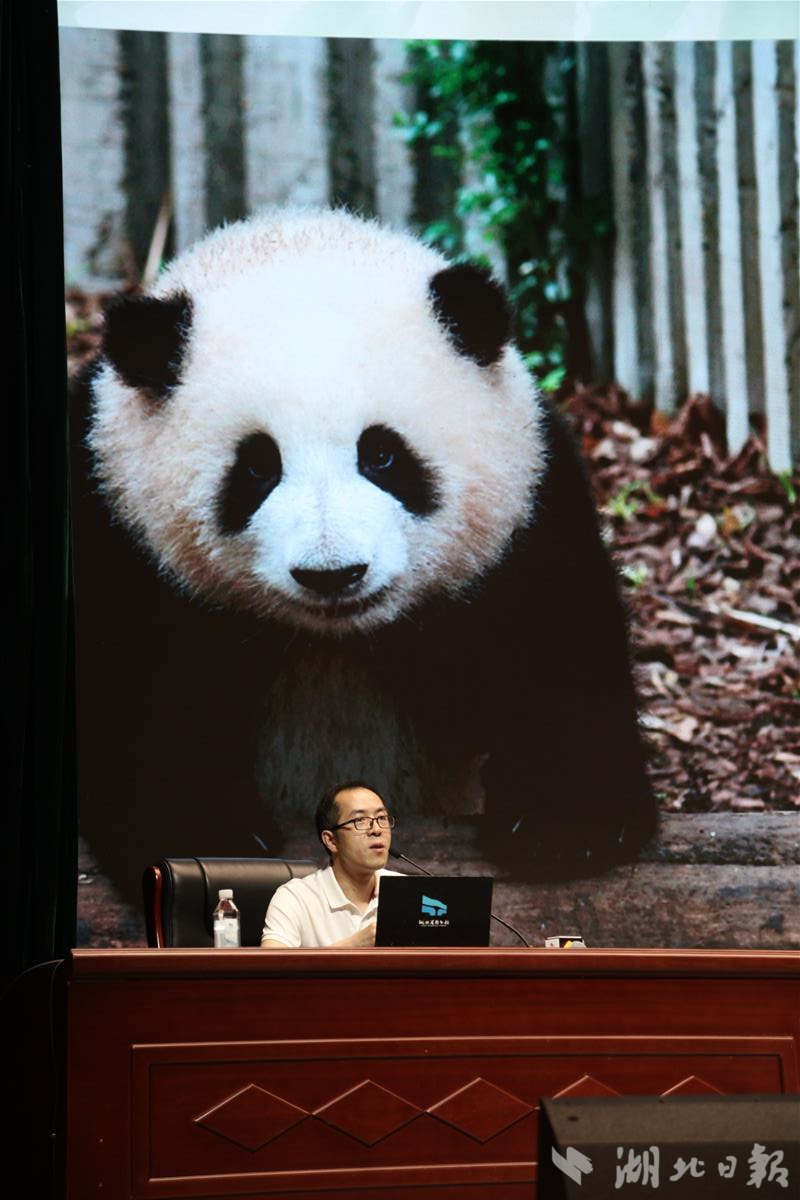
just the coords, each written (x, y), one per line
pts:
(709, 550)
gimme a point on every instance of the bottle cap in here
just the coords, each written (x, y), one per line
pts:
(226, 893)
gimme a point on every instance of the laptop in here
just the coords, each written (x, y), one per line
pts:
(437, 910)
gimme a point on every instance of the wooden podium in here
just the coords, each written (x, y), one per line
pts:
(390, 1074)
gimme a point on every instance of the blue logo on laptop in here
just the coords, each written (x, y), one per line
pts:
(433, 908)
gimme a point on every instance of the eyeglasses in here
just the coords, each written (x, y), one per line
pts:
(364, 824)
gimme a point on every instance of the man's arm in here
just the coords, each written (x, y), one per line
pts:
(359, 940)
(282, 926)
(282, 922)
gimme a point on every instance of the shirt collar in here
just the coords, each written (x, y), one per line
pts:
(334, 895)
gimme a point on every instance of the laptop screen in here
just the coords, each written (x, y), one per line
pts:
(440, 910)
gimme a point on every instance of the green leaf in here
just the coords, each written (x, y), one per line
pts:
(635, 575)
(785, 480)
(501, 107)
(553, 380)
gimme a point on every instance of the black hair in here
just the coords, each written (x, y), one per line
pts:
(327, 814)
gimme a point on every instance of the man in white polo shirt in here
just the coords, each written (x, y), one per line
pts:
(336, 906)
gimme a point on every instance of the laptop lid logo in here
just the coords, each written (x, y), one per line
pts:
(436, 913)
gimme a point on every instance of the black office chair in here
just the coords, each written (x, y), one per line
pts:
(180, 895)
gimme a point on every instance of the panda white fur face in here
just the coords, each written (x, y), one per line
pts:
(325, 455)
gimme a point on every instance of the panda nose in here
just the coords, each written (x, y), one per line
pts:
(328, 583)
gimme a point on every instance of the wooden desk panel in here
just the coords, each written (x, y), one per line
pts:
(377, 1073)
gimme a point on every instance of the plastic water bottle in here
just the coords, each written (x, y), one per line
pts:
(226, 921)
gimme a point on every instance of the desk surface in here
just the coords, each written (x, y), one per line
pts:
(396, 962)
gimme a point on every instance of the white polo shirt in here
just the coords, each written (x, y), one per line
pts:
(314, 911)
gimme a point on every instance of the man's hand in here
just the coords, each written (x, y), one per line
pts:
(357, 941)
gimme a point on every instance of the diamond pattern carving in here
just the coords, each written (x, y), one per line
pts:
(368, 1112)
(587, 1085)
(480, 1110)
(251, 1117)
(693, 1085)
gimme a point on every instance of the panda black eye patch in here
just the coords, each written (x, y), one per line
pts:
(387, 461)
(255, 473)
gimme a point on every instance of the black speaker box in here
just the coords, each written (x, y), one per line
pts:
(726, 1147)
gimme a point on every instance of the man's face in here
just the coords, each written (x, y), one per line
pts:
(358, 850)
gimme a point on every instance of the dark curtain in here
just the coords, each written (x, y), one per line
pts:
(39, 833)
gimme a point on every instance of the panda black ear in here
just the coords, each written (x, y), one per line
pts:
(473, 307)
(145, 340)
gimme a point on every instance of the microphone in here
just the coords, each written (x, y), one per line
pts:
(404, 858)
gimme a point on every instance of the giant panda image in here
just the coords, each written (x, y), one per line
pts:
(327, 528)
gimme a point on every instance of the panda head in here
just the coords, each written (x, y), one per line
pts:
(318, 420)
